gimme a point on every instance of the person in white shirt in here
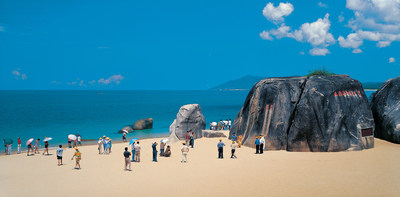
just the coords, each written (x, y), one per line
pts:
(59, 155)
(100, 142)
(262, 142)
(233, 146)
(137, 152)
(229, 124)
(184, 151)
(79, 140)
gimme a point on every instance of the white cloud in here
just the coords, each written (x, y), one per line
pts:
(315, 33)
(357, 51)
(322, 5)
(319, 51)
(114, 79)
(375, 20)
(352, 41)
(391, 60)
(277, 14)
(18, 74)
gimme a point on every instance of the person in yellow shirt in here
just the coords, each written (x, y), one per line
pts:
(240, 140)
(78, 157)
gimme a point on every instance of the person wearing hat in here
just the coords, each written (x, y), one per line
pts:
(78, 157)
(100, 142)
(220, 146)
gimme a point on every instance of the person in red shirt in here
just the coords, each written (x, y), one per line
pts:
(187, 137)
(19, 146)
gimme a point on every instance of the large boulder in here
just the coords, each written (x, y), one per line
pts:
(213, 133)
(318, 113)
(188, 118)
(143, 124)
(385, 104)
(126, 129)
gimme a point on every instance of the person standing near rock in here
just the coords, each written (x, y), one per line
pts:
(19, 146)
(229, 124)
(154, 146)
(234, 137)
(257, 142)
(167, 152)
(133, 152)
(185, 151)
(220, 146)
(233, 147)
(187, 137)
(162, 146)
(191, 138)
(262, 142)
(240, 140)
(127, 154)
(137, 152)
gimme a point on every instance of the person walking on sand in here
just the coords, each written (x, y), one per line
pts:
(29, 148)
(262, 142)
(100, 142)
(167, 152)
(137, 152)
(59, 151)
(78, 157)
(187, 137)
(46, 146)
(133, 152)
(19, 146)
(104, 144)
(257, 142)
(69, 143)
(124, 137)
(191, 138)
(127, 154)
(220, 146)
(162, 146)
(240, 137)
(37, 144)
(185, 151)
(154, 146)
(233, 147)
(79, 140)
(234, 137)
(109, 145)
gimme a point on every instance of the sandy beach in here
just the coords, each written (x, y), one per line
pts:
(372, 172)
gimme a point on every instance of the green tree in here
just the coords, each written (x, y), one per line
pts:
(321, 71)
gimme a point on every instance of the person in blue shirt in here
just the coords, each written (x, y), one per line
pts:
(234, 137)
(154, 146)
(191, 134)
(257, 142)
(220, 146)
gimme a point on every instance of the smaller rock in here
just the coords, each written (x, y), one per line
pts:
(143, 124)
(212, 133)
(128, 129)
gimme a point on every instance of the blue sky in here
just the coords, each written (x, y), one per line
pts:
(182, 45)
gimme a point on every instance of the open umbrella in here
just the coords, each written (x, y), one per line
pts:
(164, 140)
(47, 139)
(132, 141)
(72, 137)
(213, 124)
(8, 141)
(29, 141)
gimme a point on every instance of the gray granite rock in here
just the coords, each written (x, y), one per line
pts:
(213, 133)
(143, 124)
(128, 129)
(188, 118)
(385, 104)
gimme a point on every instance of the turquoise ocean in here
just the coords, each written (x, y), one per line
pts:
(92, 114)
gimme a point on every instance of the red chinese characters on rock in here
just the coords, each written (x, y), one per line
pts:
(348, 93)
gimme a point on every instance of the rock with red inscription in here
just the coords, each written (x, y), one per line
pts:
(318, 113)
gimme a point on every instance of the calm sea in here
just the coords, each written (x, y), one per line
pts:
(92, 114)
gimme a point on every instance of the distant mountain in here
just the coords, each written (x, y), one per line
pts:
(372, 85)
(244, 83)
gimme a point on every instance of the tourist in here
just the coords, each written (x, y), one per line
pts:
(240, 140)
(234, 137)
(79, 140)
(19, 146)
(167, 152)
(37, 144)
(162, 146)
(100, 142)
(107, 148)
(220, 146)
(75, 143)
(124, 137)
(78, 157)
(137, 152)
(127, 154)
(154, 146)
(59, 155)
(46, 146)
(5, 146)
(191, 134)
(225, 124)
(133, 151)
(69, 143)
(187, 137)
(229, 124)
(9, 147)
(109, 145)
(104, 144)
(257, 142)
(233, 146)
(29, 148)
(262, 142)
(185, 151)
